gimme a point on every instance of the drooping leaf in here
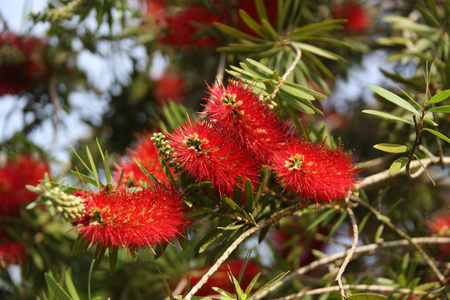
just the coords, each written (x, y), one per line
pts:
(59, 292)
(391, 148)
(438, 134)
(397, 165)
(440, 109)
(387, 116)
(391, 97)
(440, 97)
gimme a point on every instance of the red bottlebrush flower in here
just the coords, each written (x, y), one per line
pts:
(206, 153)
(154, 8)
(22, 65)
(169, 86)
(241, 114)
(131, 220)
(146, 154)
(14, 176)
(314, 171)
(188, 28)
(441, 226)
(220, 278)
(11, 251)
(357, 18)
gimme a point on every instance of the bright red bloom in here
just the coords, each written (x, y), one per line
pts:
(241, 114)
(220, 278)
(22, 65)
(314, 171)
(131, 220)
(357, 18)
(14, 176)
(146, 154)
(441, 226)
(155, 8)
(169, 86)
(188, 28)
(11, 251)
(207, 153)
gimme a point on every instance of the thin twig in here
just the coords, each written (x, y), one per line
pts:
(359, 250)
(235, 244)
(369, 180)
(385, 220)
(363, 287)
(298, 56)
(349, 252)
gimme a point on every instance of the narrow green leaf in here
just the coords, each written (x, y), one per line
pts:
(270, 29)
(319, 51)
(252, 284)
(440, 109)
(391, 148)
(261, 9)
(378, 233)
(367, 296)
(320, 25)
(387, 116)
(259, 65)
(81, 160)
(210, 242)
(70, 286)
(431, 122)
(337, 225)
(269, 284)
(147, 173)
(113, 253)
(326, 215)
(166, 285)
(438, 134)
(297, 93)
(84, 177)
(409, 97)
(252, 24)
(397, 165)
(108, 174)
(56, 288)
(236, 33)
(248, 196)
(391, 97)
(94, 169)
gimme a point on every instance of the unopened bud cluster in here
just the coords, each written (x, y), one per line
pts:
(271, 104)
(71, 208)
(165, 149)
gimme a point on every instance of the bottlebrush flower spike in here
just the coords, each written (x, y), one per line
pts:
(131, 220)
(441, 226)
(314, 171)
(357, 17)
(170, 86)
(146, 154)
(22, 65)
(11, 251)
(241, 114)
(14, 176)
(206, 153)
(187, 28)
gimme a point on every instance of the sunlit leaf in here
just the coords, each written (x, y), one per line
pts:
(438, 134)
(440, 109)
(397, 165)
(387, 116)
(394, 99)
(391, 148)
